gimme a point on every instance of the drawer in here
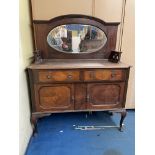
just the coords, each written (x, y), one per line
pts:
(101, 74)
(51, 76)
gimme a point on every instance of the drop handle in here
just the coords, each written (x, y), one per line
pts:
(49, 76)
(69, 76)
(88, 98)
(113, 75)
(72, 99)
(92, 75)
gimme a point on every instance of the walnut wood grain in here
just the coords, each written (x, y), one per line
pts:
(51, 76)
(101, 92)
(102, 74)
(54, 97)
(105, 95)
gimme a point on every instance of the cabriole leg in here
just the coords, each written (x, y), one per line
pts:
(110, 113)
(123, 115)
(34, 124)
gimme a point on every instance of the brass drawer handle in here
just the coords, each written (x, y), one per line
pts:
(69, 77)
(92, 75)
(72, 99)
(49, 76)
(88, 98)
(113, 74)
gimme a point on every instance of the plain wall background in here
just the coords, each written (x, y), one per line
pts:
(25, 52)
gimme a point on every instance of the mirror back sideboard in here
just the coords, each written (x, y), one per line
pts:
(63, 81)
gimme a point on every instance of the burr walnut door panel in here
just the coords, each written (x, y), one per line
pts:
(105, 95)
(54, 97)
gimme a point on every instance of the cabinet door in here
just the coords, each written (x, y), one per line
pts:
(54, 97)
(105, 95)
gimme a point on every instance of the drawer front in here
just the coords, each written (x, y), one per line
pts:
(101, 74)
(51, 76)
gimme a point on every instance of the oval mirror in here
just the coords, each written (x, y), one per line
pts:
(76, 38)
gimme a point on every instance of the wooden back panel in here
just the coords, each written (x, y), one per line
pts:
(43, 27)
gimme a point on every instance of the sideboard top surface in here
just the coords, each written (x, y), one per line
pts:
(76, 63)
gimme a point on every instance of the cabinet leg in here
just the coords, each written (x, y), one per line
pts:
(123, 115)
(34, 124)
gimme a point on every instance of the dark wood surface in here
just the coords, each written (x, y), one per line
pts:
(105, 95)
(103, 74)
(42, 28)
(77, 63)
(105, 89)
(59, 75)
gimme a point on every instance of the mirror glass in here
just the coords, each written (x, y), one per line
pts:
(76, 38)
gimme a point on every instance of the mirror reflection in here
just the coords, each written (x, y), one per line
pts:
(76, 38)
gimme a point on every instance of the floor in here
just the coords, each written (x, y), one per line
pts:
(57, 135)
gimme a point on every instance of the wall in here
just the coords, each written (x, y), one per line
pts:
(25, 50)
(58, 7)
(111, 10)
(128, 48)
